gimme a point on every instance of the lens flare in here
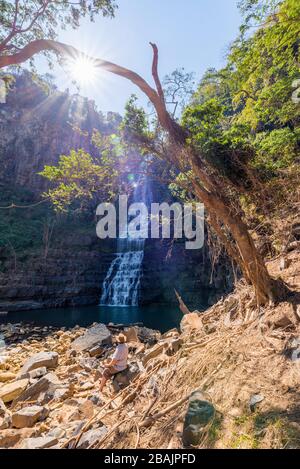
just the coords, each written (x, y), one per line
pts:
(83, 70)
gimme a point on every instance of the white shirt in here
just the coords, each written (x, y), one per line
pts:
(120, 356)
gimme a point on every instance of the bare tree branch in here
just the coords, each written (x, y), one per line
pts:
(155, 72)
(67, 51)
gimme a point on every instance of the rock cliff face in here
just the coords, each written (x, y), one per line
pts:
(166, 268)
(66, 278)
(37, 125)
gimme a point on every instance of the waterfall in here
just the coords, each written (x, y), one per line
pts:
(122, 282)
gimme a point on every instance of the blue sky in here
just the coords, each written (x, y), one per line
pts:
(194, 34)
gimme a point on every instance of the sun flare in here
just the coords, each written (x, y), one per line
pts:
(83, 70)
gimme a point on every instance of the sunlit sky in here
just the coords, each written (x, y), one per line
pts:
(194, 34)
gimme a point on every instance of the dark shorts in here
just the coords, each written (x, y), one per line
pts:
(109, 372)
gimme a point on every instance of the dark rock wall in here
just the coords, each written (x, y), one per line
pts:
(36, 127)
(170, 266)
(71, 275)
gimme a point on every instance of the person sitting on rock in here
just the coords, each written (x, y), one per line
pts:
(118, 361)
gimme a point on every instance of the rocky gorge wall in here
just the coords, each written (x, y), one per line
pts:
(167, 268)
(70, 276)
(38, 124)
(36, 127)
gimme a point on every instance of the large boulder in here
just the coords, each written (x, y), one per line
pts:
(47, 384)
(28, 416)
(97, 335)
(174, 346)
(148, 336)
(199, 414)
(190, 322)
(131, 334)
(13, 390)
(123, 378)
(39, 360)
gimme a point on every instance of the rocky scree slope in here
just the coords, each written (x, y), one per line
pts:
(234, 367)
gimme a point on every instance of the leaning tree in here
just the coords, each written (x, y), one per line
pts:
(206, 184)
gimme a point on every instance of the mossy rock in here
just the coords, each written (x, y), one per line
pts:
(199, 414)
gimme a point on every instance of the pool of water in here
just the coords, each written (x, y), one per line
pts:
(161, 317)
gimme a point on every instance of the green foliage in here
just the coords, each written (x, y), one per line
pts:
(135, 119)
(78, 177)
(244, 114)
(27, 233)
(21, 230)
(178, 89)
(276, 150)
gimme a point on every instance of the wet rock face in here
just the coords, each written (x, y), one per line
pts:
(71, 276)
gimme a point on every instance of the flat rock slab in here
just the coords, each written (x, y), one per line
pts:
(37, 373)
(42, 442)
(95, 336)
(13, 390)
(28, 416)
(39, 360)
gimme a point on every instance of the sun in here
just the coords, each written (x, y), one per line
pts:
(83, 70)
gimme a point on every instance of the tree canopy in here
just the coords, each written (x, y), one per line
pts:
(246, 109)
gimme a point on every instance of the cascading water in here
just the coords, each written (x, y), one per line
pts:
(122, 283)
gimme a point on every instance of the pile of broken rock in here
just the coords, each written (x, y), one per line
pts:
(49, 379)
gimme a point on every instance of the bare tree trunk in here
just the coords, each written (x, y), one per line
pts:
(230, 228)
(242, 248)
(207, 188)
